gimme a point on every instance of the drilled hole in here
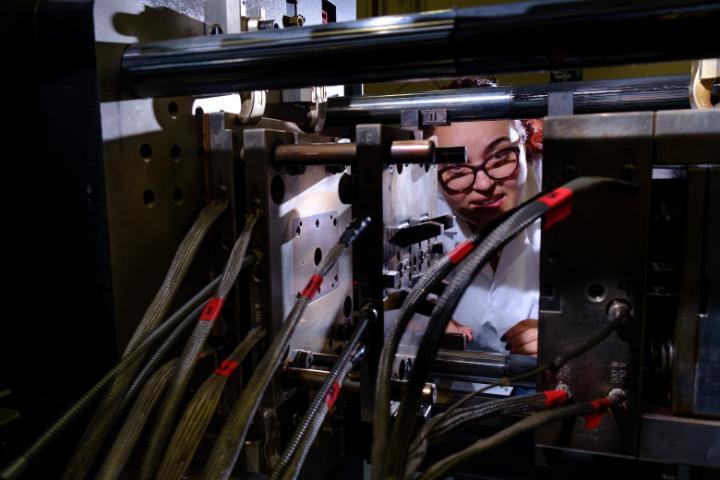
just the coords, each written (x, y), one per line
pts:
(596, 292)
(173, 109)
(178, 196)
(318, 256)
(149, 198)
(145, 152)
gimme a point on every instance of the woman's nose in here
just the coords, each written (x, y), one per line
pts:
(483, 182)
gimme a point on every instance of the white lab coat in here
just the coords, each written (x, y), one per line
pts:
(496, 300)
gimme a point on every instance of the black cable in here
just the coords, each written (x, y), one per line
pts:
(618, 312)
(446, 466)
(556, 202)
(439, 427)
(426, 284)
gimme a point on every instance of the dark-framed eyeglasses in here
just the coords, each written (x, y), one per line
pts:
(460, 177)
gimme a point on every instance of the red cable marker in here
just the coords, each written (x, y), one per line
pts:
(226, 368)
(560, 203)
(332, 395)
(593, 420)
(555, 398)
(212, 310)
(457, 254)
(312, 286)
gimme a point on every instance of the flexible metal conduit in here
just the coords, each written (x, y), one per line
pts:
(518, 219)
(166, 414)
(178, 321)
(292, 459)
(107, 413)
(232, 436)
(200, 410)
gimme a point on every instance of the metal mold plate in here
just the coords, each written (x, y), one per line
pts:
(313, 234)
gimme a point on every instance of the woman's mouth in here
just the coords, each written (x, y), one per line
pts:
(493, 202)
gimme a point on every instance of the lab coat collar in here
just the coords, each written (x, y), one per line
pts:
(511, 252)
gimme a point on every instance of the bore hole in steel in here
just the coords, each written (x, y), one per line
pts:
(146, 152)
(277, 190)
(347, 307)
(175, 153)
(297, 231)
(178, 196)
(149, 198)
(334, 222)
(596, 292)
(318, 256)
(173, 109)
(336, 278)
(317, 223)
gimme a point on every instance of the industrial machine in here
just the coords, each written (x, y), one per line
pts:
(264, 276)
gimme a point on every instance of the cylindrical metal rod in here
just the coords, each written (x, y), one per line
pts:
(316, 153)
(514, 37)
(313, 378)
(401, 151)
(527, 101)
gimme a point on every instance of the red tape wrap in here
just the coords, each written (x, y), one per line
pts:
(312, 287)
(560, 203)
(593, 420)
(226, 368)
(555, 398)
(332, 395)
(212, 310)
(461, 251)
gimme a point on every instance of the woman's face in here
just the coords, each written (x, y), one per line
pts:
(497, 142)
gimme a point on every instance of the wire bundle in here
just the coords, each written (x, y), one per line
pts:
(232, 436)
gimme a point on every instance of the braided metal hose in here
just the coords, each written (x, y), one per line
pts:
(135, 422)
(439, 427)
(232, 436)
(178, 321)
(297, 449)
(200, 410)
(519, 218)
(249, 260)
(381, 414)
(106, 415)
(446, 466)
(162, 427)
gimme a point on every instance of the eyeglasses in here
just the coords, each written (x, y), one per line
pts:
(460, 177)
